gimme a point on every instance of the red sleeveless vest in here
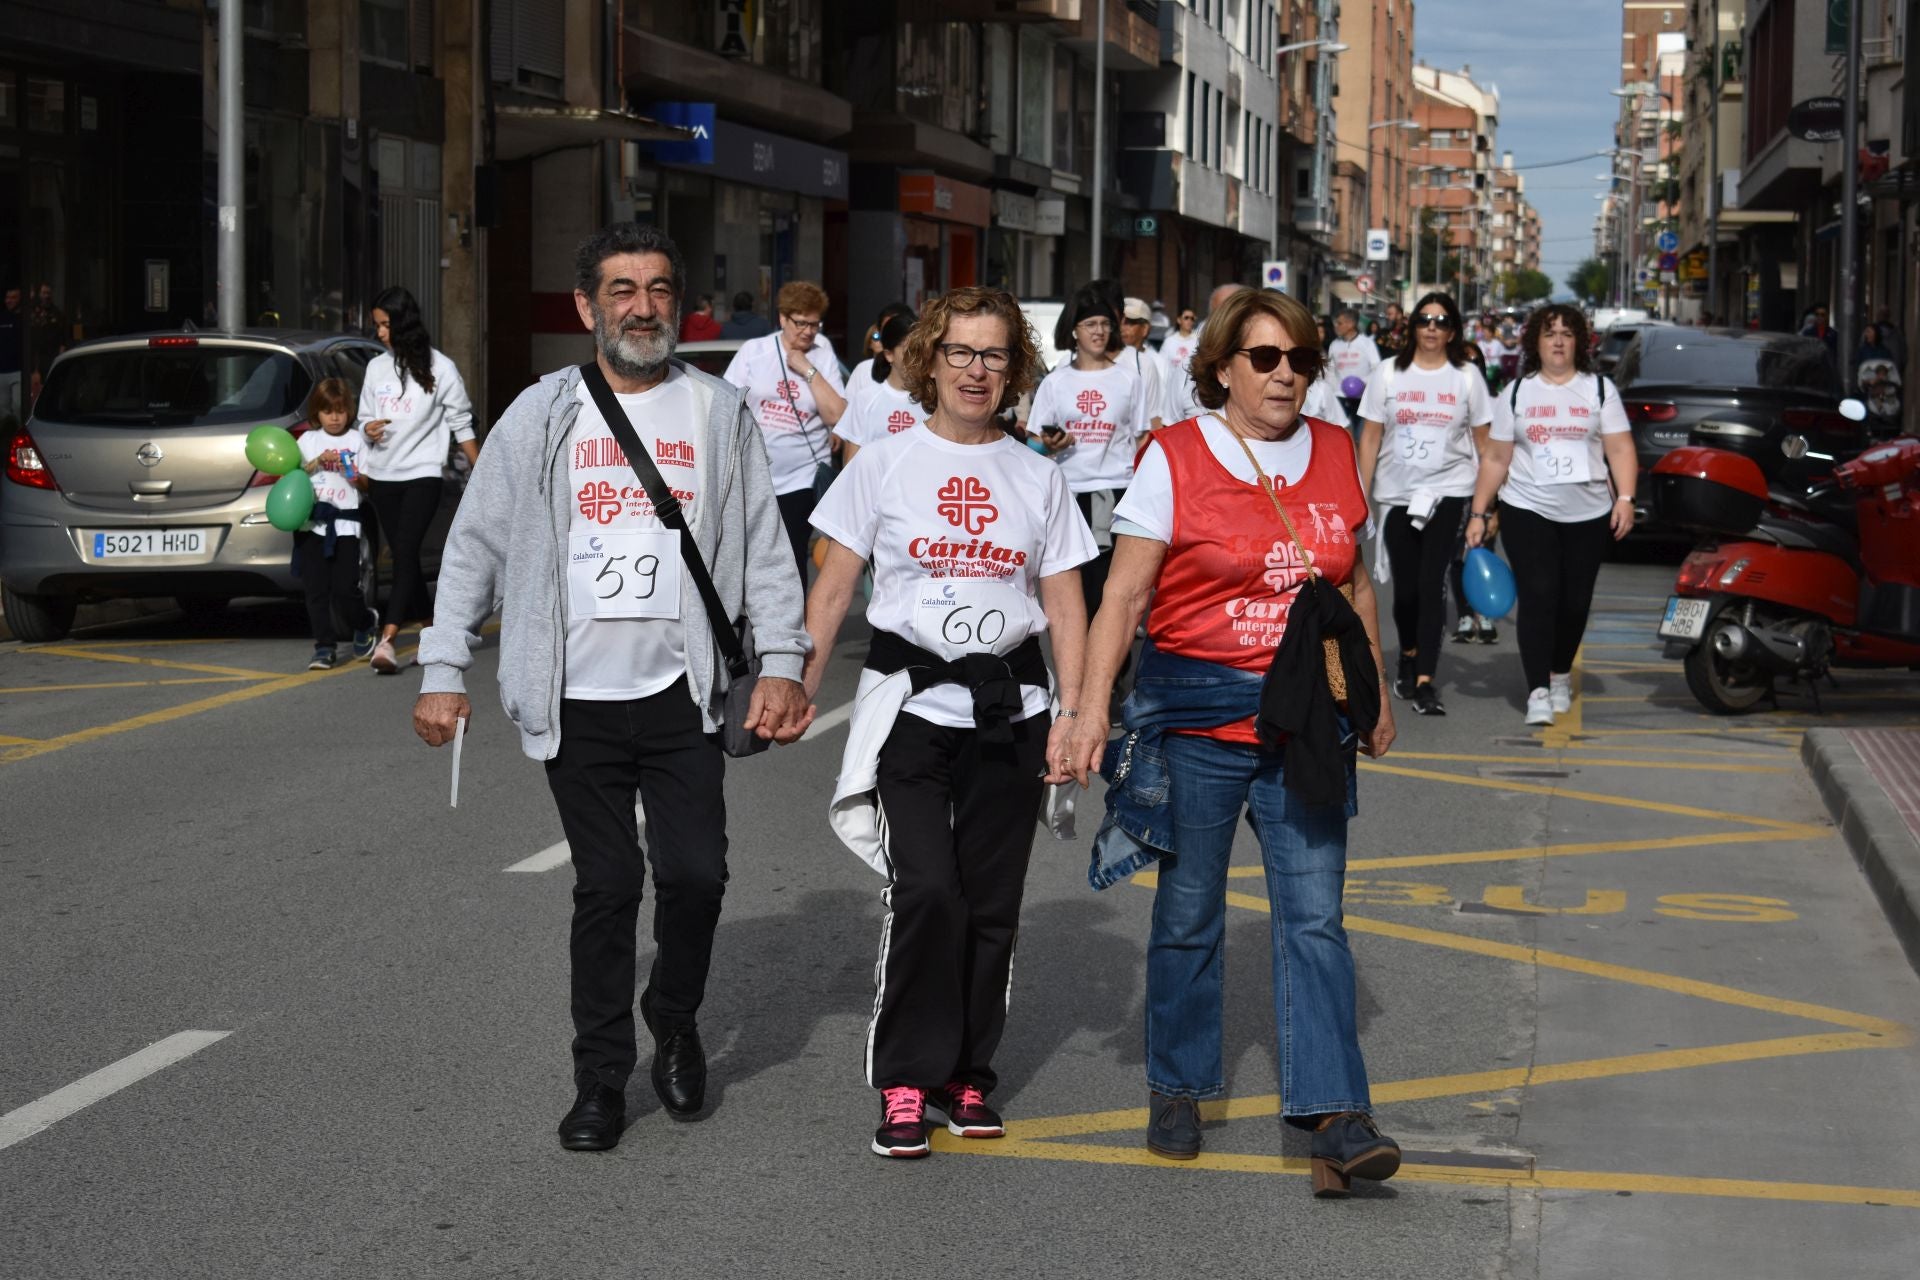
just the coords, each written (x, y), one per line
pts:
(1230, 572)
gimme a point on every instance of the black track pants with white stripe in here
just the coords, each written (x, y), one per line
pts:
(958, 821)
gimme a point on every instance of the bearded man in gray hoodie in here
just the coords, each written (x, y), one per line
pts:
(609, 667)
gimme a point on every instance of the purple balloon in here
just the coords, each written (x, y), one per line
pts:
(1352, 387)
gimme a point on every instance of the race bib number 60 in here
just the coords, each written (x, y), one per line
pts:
(623, 575)
(956, 617)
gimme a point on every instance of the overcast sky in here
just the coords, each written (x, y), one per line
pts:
(1553, 62)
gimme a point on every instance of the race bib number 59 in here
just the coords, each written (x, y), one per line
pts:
(623, 575)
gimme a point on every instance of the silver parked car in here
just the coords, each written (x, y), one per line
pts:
(130, 477)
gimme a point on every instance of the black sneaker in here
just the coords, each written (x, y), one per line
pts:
(1173, 1127)
(322, 659)
(1349, 1145)
(1465, 630)
(1426, 701)
(903, 1124)
(966, 1111)
(1489, 634)
(1404, 682)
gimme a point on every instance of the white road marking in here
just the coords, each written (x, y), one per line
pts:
(827, 722)
(550, 858)
(23, 1123)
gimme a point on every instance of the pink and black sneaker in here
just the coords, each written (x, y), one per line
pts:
(903, 1124)
(966, 1111)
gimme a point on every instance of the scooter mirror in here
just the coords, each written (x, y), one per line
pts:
(1853, 410)
(1794, 447)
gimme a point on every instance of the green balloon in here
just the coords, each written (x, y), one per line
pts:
(272, 450)
(290, 502)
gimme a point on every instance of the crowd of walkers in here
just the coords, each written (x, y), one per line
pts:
(1215, 497)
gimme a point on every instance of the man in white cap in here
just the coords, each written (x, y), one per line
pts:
(1136, 319)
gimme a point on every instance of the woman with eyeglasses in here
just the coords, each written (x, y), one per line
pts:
(1423, 425)
(1090, 414)
(1228, 516)
(975, 544)
(792, 383)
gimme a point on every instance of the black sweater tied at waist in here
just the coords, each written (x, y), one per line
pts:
(995, 679)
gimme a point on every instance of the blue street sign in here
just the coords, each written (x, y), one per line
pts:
(1666, 242)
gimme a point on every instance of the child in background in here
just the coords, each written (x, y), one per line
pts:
(328, 553)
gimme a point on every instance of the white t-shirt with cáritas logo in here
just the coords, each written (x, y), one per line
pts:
(951, 527)
(334, 486)
(1559, 467)
(1177, 351)
(881, 412)
(782, 403)
(1105, 411)
(624, 572)
(1354, 357)
(1427, 442)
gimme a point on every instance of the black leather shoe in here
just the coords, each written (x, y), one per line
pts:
(1348, 1145)
(594, 1123)
(1173, 1127)
(679, 1063)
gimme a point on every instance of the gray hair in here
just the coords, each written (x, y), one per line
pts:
(626, 237)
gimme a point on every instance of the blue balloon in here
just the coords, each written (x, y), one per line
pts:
(1352, 387)
(1489, 583)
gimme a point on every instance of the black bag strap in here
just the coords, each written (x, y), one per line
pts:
(667, 508)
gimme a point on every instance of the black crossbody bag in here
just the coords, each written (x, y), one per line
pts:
(734, 638)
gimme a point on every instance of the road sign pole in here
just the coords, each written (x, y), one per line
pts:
(1849, 300)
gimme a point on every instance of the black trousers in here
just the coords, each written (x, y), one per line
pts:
(405, 509)
(1419, 559)
(957, 818)
(608, 751)
(335, 606)
(796, 509)
(1555, 567)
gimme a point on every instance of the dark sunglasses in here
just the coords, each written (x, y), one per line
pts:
(1432, 322)
(1304, 361)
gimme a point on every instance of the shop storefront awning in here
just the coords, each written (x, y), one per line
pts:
(1345, 290)
(521, 132)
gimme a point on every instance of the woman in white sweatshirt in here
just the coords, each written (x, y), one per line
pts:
(411, 404)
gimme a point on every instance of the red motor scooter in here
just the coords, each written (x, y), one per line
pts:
(1785, 586)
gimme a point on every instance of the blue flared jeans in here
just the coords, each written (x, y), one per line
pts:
(1304, 849)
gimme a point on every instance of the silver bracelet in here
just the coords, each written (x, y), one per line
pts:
(1069, 715)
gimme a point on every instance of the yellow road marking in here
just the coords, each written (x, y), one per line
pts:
(125, 684)
(101, 655)
(1592, 797)
(1513, 897)
(6, 741)
(1467, 857)
(1609, 668)
(1556, 758)
(1881, 1028)
(1472, 1176)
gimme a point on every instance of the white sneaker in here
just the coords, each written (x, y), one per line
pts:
(1560, 689)
(1540, 707)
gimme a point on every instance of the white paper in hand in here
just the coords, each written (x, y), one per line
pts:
(459, 736)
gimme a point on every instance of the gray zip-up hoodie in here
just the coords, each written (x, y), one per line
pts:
(506, 551)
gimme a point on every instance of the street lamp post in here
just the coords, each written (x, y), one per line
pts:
(1099, 131)
(1371, 153)
(1849, 300)
(1333, 47)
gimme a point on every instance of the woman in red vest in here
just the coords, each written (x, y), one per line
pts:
(1227, 516)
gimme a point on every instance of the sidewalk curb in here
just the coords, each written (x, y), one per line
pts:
(1886, 850)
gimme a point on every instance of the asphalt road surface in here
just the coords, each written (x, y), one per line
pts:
(270, 1007)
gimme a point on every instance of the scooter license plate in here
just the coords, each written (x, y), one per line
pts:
(1684, 619)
